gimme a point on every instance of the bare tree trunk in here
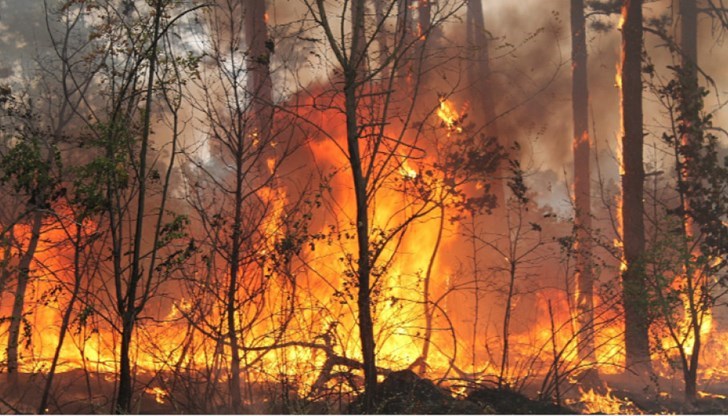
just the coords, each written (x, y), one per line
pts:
(6, 247)
(404, 31)
(633, 227)
(129, 308)
(689, 55)
(232, 304)
(690, 104)
(260, 49)
(16, 319)
(66, 320)
(584, 278)
(479, 72)
(366, 323)
(507, 323)
(427, 339)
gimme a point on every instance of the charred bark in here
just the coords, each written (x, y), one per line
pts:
(405, 18)
(260, 49)
(583, 276)
(690, 105)
(636, 319)
(480, 72)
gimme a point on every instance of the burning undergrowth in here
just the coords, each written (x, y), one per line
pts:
(352, 227)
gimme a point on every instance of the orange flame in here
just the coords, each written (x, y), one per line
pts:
(450, 118)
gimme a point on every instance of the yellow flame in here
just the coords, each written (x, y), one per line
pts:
(684, 326)
(705, 394)
(158, 392)
(608, 403)
(406, 171)
(622, 17)
(450, 118)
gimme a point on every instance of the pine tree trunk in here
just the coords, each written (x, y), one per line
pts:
(689, 93)
(633, 227)
(479, 72)
(584, 278)
(691, 99)
(689, 54)
(405, 69)
(260, 49)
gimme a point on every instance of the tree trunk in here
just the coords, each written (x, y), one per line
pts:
(260, 49)
(66, 320)
(428, 309)
(366, 323)
(633, 228)
(124, 395)
(128, 308)
(583, 278)
(691, 375)
(691, 136)
(480, 72)
(689, 60)
(405, 69)
(507, 324)
(16, 319)
(231, 305)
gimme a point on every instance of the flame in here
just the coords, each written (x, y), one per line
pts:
(608, 403)
(450, 118)
(406, 171)
(622, 17)
(705, 394)
(158, 393)
(684, 326)
(323, 301)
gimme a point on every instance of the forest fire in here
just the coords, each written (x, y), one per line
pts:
(252, 207)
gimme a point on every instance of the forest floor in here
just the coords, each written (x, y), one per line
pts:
(402, 392)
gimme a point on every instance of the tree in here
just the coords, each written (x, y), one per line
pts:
(260, 49)
(583, 273)
(30, 166)
(374, 146)
(637, 348)
(236, 203)
(690, 239)
(122, 176)
(482, 91)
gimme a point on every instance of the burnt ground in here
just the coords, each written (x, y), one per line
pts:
(402, 392)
